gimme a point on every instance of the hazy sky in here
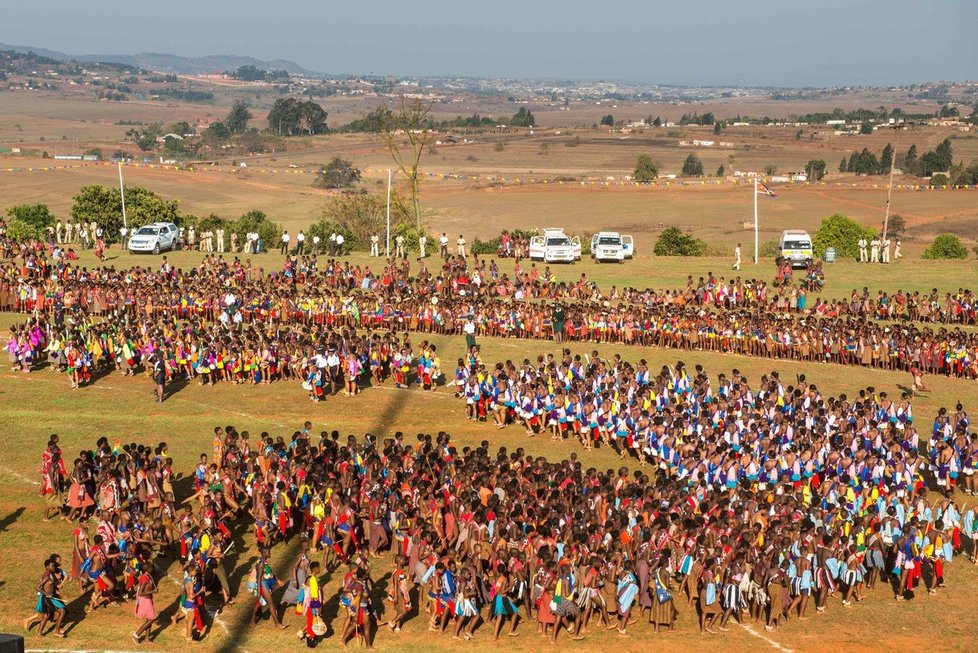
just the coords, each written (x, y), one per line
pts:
(783, 42)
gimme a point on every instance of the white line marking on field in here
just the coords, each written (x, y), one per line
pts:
(420, 393)
(76, 650)
(773, 643)
(19, 476)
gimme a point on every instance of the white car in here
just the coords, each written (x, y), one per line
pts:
(155, 238)
(607, 246)
(554, 246)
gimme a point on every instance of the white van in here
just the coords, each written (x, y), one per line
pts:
(796, 247)
(554, 246)
(607, 246)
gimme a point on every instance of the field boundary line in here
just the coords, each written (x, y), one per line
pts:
(774, 644)
(18, 475)
(78, 650)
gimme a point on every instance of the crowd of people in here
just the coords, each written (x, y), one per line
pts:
(231, 321)
(756, 501)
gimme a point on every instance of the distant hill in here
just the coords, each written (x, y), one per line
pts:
(169, 63)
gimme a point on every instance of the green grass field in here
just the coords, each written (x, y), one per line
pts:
(36, 405)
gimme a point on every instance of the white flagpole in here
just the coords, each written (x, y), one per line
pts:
(756, 253)
(122, 191)
(388, 247)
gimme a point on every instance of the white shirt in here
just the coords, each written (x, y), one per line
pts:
(339, 239)
(285, 238)
(443, 240)
(300, 237)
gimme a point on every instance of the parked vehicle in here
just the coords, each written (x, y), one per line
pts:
(796, 247)
(554, 246)
(607, 246)
(628, 244)
(155, 238)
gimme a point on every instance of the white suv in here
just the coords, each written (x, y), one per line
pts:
(554, 246)
(607, 246)
(154, 238)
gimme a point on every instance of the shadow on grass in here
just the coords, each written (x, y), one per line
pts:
(238, 629)
(10, 519)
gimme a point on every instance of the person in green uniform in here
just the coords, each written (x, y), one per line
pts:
(557, 319)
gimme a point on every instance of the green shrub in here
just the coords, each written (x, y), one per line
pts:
(939, 180)
(29, 221)
(269, 232)
(673, 242)
(842, 233)
(645, 169)
(325, 228)
(485, 247)
(770, 249)
(717, 251)
(411, 233)
(946, 246)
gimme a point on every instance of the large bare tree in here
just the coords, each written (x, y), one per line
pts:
(405, 130)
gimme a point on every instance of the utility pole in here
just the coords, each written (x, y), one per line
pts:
(387, 249)
(122, 191)
(889, 193)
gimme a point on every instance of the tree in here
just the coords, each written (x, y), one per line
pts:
(865, 163)
(721, 171)
(313, 118)
(842, 165)
(718, 127)
(238, 118)
(966, 176)
(361, 216)
(865, 128)
(523, 118)
(946, 246)
(338, 173)
(943, 152)
(104, 206)
(409, 120)
(673, 242)
(886, 159)
(645, 169)
(937, 160)
(657, 122)
(290, 116)
(693, 167)
(770, 169)
(939, 179)
(29, 221)
(608, 121)
(815, 169)
(910, 161)
(256, 221)
(896, 225)
(216, 133)
(842, 233)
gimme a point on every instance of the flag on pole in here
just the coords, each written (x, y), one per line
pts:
(760, 187)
